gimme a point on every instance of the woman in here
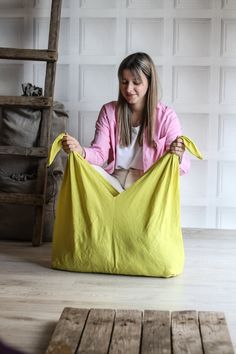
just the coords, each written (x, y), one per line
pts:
(134, 132)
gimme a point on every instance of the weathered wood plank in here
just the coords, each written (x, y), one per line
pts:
(41, 184)
(127, 332)
(26, 101)
(185, 333)
(46, 118)
(54, 27)
(20, 198)
(215, 334)
(67, 333)
(97, 332)
(24, 151)
(156, 335)
(28, 54)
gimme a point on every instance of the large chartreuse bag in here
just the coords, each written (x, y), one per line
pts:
(135, 232)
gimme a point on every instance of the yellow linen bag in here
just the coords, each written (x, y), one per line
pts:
(135, 232)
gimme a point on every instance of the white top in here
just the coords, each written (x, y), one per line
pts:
(130, 156)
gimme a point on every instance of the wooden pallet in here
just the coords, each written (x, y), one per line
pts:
(103, 331)
(45, 103)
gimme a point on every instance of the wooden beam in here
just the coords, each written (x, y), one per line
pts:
(28, 54)
(20, 198)
(24, 151)
(26, 101)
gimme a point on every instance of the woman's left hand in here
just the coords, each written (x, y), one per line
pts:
(177, 147)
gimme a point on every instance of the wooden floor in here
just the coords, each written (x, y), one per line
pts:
(32, 295)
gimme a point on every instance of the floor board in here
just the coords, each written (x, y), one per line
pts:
(32, 295)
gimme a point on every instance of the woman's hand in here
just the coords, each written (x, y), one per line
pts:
(177, 147)
(71, 144)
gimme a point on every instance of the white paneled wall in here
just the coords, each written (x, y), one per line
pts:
(193, 46)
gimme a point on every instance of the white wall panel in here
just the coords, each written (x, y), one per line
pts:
(228, 84)
(41, 30)
(98, 4)
(39, 71)
(226, 180)
(97, 82)
(196, 126)
(229, 4)
(62, 89)
(95, 39)
(11, 78)
(227, 132)
(228, 45)
(11, 30)
(145, 35)
(194, 184)
(191, 84)
(193, 216)
(226, 218)
(86, 125)
(193, 4)
(145, 4)
(192, 37)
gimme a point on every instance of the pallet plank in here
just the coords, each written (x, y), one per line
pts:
(185, 333)
(97, 332)
(156, 336)
(67, 333)
(126, 336)
(215, 334)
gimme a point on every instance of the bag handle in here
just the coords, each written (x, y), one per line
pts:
(56, 147)
(191, 147)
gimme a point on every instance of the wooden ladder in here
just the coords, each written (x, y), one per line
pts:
(45, 104)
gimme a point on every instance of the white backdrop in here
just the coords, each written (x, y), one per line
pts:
(193, 46)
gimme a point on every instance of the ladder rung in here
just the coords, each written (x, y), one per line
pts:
(24, 151)
(24, 101)
(28, 54)
(19, 198)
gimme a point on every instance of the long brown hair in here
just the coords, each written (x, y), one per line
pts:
(137, 63)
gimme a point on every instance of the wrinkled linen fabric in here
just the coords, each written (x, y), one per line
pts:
(135, 232)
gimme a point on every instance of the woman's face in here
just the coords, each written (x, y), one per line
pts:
(134, 89)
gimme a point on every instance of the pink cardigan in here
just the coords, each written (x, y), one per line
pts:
(103, 147)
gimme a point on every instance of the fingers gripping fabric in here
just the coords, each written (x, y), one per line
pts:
(136, 232)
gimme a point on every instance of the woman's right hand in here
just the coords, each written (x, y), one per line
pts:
(71, 144)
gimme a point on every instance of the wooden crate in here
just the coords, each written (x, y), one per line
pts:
(103, 331)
